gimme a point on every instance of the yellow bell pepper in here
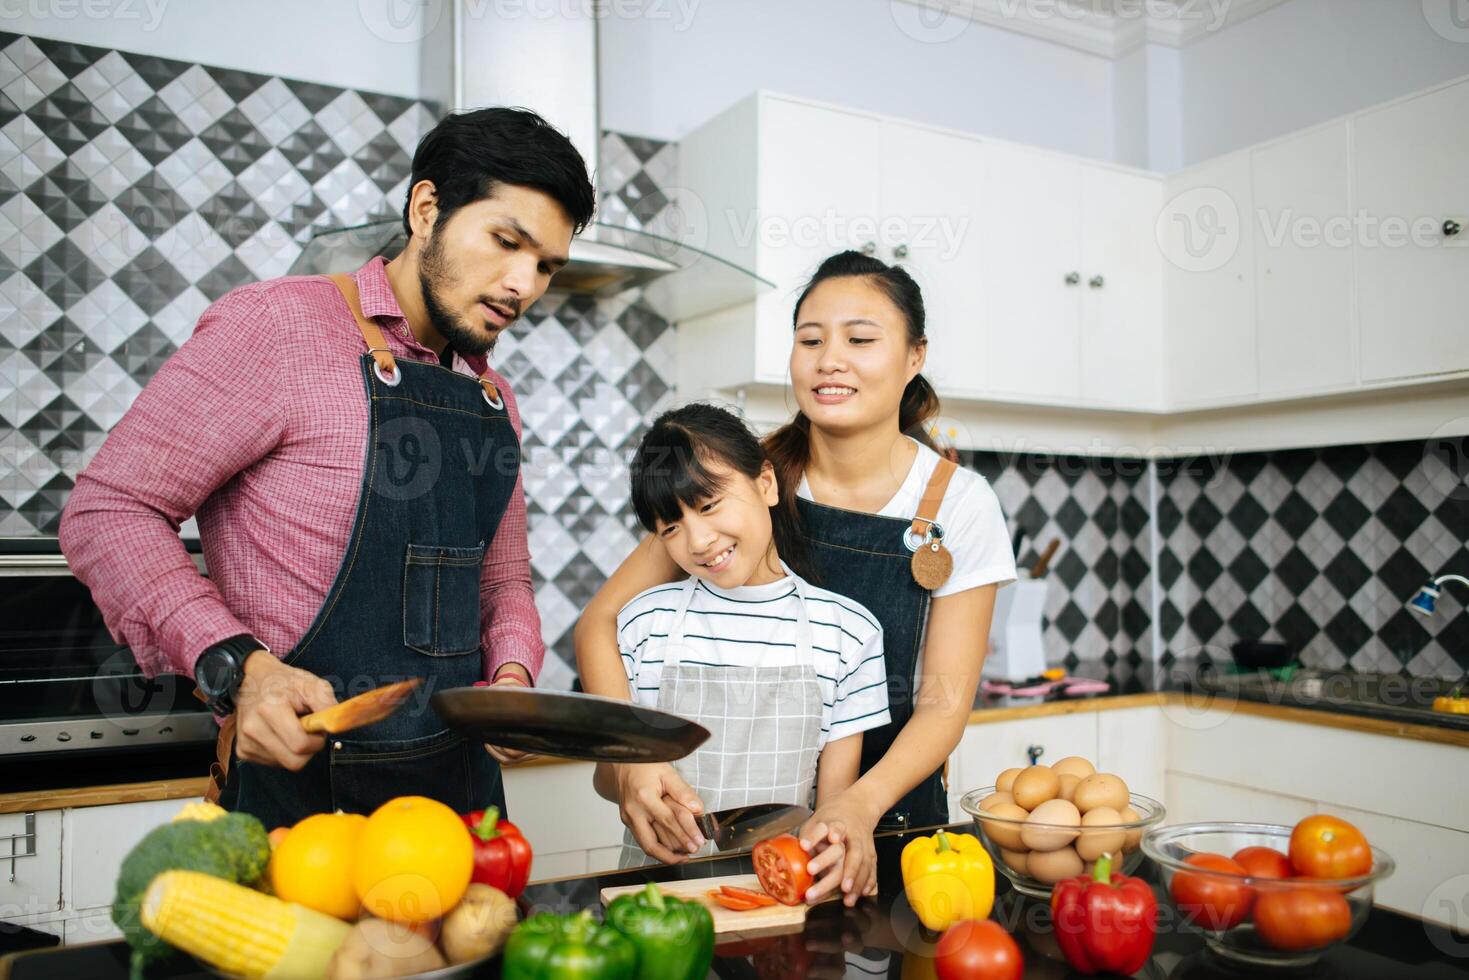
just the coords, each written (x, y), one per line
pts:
(948, 878)
(1452, 704)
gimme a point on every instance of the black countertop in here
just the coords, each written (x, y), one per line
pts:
(881, 937)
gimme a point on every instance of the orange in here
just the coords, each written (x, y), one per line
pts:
(312, 864)
(414, 860)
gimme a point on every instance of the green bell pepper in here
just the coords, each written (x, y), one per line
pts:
(674, 938)
(568, 947)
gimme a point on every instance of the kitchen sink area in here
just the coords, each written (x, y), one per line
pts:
(1393, 696)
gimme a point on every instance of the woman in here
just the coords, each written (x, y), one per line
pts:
(858, 484)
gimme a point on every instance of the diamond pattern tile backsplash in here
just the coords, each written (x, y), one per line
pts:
(135, 190)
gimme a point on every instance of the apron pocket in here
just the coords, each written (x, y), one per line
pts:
(441, 599)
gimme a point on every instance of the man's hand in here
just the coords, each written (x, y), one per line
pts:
(268, 710)
(659, 808)
(511, 673)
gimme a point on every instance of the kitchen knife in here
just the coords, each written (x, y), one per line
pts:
(742, 827)
(364, 709)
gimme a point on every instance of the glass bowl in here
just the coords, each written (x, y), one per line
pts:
(997, 833)
(1338, 906)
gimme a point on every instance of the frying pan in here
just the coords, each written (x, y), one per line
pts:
(568, 725)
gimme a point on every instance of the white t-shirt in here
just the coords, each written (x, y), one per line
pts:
(757, 625)
(974, 526)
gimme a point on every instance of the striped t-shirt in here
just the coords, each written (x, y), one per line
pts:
(757, 625)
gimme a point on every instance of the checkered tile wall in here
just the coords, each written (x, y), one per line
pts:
(1320, 548)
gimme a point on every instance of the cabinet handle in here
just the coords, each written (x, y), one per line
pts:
(900, 252)
(1097, 282)
(1072, 278)
(22, 845)
(1035, 752)
(869, 248)
(1451, 228)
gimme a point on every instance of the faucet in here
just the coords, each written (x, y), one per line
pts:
(1423, 600)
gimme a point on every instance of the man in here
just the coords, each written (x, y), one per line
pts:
(354, 465)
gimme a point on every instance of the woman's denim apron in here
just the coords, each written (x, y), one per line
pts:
(863, 557)
(442, 460)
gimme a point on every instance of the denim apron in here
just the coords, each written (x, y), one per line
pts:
(442, 460)
(864, 557)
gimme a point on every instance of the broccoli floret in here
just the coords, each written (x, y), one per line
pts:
(233, 847)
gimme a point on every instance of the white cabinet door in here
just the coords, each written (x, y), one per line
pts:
(1133, 743)
(98, 838)
(1305, 334)
(36, 889)
(1413, 173)
(1205, 231)
(989, 748)
(818, 194)
(1032, 244)
(933, 225)
(559, 812)
(1121, 343)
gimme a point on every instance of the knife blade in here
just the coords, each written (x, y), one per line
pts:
(742, 827)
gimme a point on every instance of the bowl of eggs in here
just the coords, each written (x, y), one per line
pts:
(1042, 824)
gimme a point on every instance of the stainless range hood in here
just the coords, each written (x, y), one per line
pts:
(547, 60)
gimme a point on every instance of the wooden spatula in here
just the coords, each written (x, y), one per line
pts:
(364, 709)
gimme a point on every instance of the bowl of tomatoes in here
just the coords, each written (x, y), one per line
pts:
(1268, 894)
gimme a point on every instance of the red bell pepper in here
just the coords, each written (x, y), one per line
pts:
(501, 855)
(1106, 922)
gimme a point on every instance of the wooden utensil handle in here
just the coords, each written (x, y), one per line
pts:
(1045, 559)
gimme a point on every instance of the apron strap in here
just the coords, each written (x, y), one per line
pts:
(219, 771)
(933, 496)
(377, 346)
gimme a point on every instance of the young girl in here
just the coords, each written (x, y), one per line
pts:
(785, 676)
(857, 484)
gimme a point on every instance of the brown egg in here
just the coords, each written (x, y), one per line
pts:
(1035, 786)
(1130, 842)
(1061, 816)
(1092, 844)
(1006, 780)
(1075, 765)
(1068, 785)
(1053, 866)
(1002, 832)
(994, 798)
(1101, 789)
(1014, 860)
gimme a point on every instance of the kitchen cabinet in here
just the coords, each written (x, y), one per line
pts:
(1133, 743)
(98, 838)
(30, 884)
(1412, 158)
(1207, 238)
(1305, 328)
(566, 822)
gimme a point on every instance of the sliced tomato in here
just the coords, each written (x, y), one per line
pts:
(780, 864)
(732, 902)
(748, 894)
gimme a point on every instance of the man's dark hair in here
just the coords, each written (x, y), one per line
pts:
(468, 154)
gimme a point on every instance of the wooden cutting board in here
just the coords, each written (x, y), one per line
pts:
(773, 919)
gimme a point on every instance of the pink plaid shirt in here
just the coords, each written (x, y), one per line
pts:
(258, 424)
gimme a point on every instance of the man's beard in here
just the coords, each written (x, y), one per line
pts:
(433, 274)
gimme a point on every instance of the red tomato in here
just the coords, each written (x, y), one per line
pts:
(1323, 846)
(1212, 901)
(975, 949)
(780, 863)
(748, 894)
(1301, 918)
(1263, 862)
(733, 902)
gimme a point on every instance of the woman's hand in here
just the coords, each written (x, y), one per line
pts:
(659, 808)
(839, 835)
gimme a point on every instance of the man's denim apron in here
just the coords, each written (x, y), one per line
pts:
(442, 460)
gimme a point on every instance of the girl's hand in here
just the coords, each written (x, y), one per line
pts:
(847, 822)
(659, 808)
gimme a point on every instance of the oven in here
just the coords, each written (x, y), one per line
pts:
(74, 706)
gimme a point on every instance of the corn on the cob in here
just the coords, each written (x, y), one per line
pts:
(199, 810)
(239, 930)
